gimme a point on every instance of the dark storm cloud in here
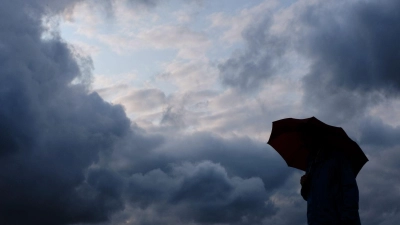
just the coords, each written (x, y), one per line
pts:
(357, 50)
(246, 159)
(200, 178)
(203, 193)
(355, 54)
(377, 133)
(51, 131)
(379, 195)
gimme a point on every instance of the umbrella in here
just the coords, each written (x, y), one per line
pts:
(292, 139)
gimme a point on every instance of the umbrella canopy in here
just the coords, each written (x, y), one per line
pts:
(293, 138)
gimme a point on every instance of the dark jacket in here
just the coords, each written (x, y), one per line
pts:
(331, 191)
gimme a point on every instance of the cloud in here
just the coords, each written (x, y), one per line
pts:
(387, 110)
(51, 131)
(145, 2)
(189, 43)
(116, 23)
(202, 192)
(69, 157)
(377, 133)
(192, 76)
(362, 54)
(248, 69)
(357, 58)
(234, 26)
(143, 100)
(247, 157)
(378, 188)
(233, 114)
(188, 179)
(348, 50)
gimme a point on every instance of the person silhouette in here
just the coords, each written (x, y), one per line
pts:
(330, 188)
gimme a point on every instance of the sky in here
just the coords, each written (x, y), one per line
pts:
(146, 112)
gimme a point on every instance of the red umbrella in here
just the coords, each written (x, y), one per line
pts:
(292, 139)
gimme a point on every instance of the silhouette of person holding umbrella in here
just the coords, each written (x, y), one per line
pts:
(331, 161)
(330, 188)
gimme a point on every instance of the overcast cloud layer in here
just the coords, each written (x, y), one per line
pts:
(198, 154)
